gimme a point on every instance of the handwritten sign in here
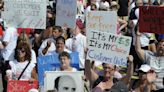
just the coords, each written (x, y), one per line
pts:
(21, 86)
(52, 63)
(71, 79)
(105, 21)
(25, 13)
(66, 13)
(108, 48)
(151, 19)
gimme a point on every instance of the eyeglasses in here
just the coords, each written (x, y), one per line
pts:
(151, 71)
(108, 68)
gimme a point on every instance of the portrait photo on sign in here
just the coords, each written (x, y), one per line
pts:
(63, 81)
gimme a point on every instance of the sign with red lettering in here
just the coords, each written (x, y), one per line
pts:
(108, 48)
(151, 19)
(21, 86)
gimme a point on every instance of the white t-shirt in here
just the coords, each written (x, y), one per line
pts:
(17, 68)
(33, 56)
(10, 36)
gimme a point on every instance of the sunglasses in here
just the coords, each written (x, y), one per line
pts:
(151, 71)
(21, 50)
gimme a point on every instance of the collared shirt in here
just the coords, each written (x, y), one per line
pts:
(81, 46)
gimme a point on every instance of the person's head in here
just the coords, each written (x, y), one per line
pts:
(57, 31)
(23, 51)
(60, 44)
(79, 26)
(139, 2)
(114, 6)
(65, 84)
(104, 6)
(93, 7)
(64, 59)
(160, 47)
(143, 71)
(109, 70)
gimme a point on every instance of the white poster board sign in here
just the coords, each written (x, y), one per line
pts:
(25, 13)
(66, 13)
(108, 48)
(58, 80)
(105, 21)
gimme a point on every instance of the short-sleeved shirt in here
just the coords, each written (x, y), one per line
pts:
(156, 63)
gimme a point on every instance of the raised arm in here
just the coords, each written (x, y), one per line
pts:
(90, 73)
(139, 50)
(127, 78)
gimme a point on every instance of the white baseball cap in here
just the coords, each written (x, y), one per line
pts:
(145, 68)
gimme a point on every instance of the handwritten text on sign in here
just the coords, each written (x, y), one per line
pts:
(151, 19)
(25, 13)
(66, 13)
(108, 48)
(21, 86)
(102, 20)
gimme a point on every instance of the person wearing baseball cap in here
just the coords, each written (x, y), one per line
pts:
(146, 78)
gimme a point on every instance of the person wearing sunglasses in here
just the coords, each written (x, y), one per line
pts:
(22, 60)
(146, 78)
(106, 82)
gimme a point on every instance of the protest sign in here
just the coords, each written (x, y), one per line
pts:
(66, 13)
(51, 63)
(21, 86)
(58, 79)
(105, 21)
(108, 48)
(25, 13)
(151, 19)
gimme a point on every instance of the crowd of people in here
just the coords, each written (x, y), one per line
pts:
(20, 48)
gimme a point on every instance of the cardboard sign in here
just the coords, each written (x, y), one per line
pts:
(21, 86)
(56, 80)
(151, 19)
(25, 13)
(108, 48)
(105, 21)
(66, 13)
(52, 63)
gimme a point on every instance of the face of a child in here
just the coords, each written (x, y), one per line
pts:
(65, 62)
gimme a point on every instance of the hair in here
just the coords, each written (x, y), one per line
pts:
(26, 46)
(64, 53)
(60, 38)
(56, 81)
(23, 38)
(57, 28)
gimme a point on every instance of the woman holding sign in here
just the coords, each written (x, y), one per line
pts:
(22, 68)
(106, 82)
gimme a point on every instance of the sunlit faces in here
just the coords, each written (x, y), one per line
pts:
(160, 48)
(108, 70)
(65, 62)
(60, 46)
(21, 52)
(66, 84)
(56, 33)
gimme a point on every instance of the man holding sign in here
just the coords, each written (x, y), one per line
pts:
(154, 59)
